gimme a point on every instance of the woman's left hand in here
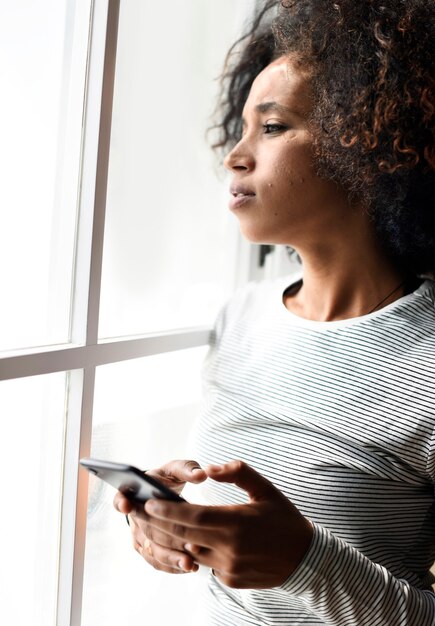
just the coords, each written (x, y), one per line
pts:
(256, 545)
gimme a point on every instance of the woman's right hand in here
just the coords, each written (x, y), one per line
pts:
(174, 475)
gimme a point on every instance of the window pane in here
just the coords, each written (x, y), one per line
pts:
(31, 447)
(43, 47)
(170, 241)
(143, 413)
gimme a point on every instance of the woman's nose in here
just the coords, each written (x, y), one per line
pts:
(239, 158)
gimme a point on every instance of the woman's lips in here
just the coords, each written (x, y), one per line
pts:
(240, 196)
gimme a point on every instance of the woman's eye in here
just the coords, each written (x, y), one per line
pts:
(273, 128)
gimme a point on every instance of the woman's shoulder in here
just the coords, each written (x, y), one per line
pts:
(427, 291)
(257, 294)
(419, 307)
(252, 299)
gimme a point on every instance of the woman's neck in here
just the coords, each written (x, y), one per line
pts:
(348, 278)
(323, 300)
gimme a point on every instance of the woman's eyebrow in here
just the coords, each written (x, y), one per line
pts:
(265, 107)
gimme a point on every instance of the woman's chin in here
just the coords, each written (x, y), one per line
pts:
(260, 235)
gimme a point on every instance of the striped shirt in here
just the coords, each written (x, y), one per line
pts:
(340, 417)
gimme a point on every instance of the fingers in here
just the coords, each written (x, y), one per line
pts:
(176, 536)
(190, 516)
(165, 560)
(122, 504)
(245, 477)
(173, 474)
(181, 471)
(156, 535)
(162, 551)
(162, 559)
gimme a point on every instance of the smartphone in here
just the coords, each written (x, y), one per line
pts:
(135, 484)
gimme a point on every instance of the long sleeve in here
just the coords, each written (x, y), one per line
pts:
(340, 417)
(344, 588)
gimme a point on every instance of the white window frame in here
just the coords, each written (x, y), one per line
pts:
(85, 352)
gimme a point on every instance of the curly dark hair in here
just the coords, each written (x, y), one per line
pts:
(372, 69)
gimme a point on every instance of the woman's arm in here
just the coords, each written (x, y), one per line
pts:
(345, 588)
(268, 543)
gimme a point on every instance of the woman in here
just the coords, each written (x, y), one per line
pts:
(323, 383)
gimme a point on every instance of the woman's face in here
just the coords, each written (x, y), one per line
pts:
(276, 194)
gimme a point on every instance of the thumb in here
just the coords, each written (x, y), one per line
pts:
(182, 471)
(245, 477)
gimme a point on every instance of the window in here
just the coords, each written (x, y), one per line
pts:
(117, 252)
(31, 451)
(43, 62)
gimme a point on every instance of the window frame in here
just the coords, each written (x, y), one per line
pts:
(85, 352)
(80, 357)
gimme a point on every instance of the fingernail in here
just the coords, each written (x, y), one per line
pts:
(151, 506)
(196, 469)
(191, 547)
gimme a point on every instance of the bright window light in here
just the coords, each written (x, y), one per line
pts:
(31, 461)
(144, 411)
(42, 67)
